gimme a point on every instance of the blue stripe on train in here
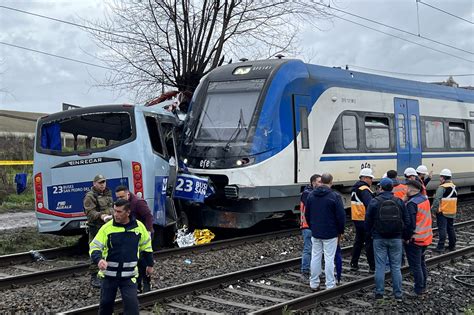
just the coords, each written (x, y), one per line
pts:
(388, 157)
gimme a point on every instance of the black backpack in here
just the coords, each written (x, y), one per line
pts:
(388, 221)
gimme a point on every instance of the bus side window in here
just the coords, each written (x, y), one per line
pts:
(154, 134)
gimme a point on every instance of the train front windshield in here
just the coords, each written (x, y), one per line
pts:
(228, 110)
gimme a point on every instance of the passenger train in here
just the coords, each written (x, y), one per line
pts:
(260, 129)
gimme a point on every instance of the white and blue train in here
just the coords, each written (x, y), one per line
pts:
(260, 129)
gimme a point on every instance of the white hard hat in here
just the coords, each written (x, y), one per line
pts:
(410, 172)
(445, 172)
(422, 169)
(367, 172)
(384, 175)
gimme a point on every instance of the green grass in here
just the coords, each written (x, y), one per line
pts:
(22, 202)
(26, 239)
(469, 310)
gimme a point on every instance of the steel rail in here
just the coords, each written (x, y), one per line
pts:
(149, 298)
(58, 273)
(25, 257)
(307, 301)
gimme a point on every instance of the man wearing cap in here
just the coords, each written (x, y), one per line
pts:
(445, 207)
(98, 206)
(360, 199)
(386, 220)
(421, 234)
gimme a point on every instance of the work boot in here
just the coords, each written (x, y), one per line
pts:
(95, 282)
(146, 284)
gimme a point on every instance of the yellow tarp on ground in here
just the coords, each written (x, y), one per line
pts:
(203, 236)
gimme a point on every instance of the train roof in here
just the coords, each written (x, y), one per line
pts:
(330, 77)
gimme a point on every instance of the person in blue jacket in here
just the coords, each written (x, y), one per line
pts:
(326, 217)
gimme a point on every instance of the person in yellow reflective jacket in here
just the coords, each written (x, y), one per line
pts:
(445, 207)
(115, 249)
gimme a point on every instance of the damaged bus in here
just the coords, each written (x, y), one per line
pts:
(130, 145)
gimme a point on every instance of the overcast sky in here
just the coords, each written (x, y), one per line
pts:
(33, 82)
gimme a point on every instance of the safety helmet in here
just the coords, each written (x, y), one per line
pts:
(410, 172)
(422, 170)
(445, 172)
(366, 172)
(384, 175)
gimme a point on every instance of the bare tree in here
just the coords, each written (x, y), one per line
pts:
(176, 43)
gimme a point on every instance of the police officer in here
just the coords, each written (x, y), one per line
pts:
(445, 207)
(115, 250)
(98, 206)
(360, 199)
(421, 234)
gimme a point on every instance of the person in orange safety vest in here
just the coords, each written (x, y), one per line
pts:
(360, 198)
(445, 207)
(421, 232)
(315, 181)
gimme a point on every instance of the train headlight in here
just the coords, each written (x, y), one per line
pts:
(239, 162)
(185, 161)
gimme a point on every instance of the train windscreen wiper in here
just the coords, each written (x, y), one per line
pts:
(236, 133)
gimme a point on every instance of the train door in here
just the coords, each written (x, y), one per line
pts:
(304, 162)
(407, 122)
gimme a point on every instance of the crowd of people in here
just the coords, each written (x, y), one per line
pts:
(390, 223)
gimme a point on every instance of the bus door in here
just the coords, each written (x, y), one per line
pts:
(304, 162)
(408, 135)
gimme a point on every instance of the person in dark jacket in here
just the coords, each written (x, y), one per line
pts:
(360, 199)
(98, 207)
(315, 181)
(387, 243)
(326, 217)
(141, 212)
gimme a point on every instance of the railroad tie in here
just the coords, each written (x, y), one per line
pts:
(336, 310)
(191, 309)
(269, 287)
(226, 302)
(254, 295)
(305, 285)
(360, 303)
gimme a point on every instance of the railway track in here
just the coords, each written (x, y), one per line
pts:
(268, 289)
(12, 263)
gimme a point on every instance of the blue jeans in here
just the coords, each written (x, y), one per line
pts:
(391, 249)
(306, 255)
(108, 292)
(445, 224)
(329, 248)
(416, 261)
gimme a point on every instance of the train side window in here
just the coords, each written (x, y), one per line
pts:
(434, 134)
(304, 127)
(471, 131)
(349, 131)
(154, 133)
(457, 135)
(401, 131)
(414, 131)
(377, 133)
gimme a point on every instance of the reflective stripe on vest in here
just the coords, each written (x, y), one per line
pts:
(116, 269)
(303, 223)
(449, 202)
(423, 230)
(357, 206)
(400, 191)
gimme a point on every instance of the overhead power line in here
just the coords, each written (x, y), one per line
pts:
(393, 28)
(412, 74)
(404, 39)
(57, 56)
(446, 12)
(68, 22)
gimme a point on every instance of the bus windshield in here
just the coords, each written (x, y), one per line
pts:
(228, 106)
(91, 132)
